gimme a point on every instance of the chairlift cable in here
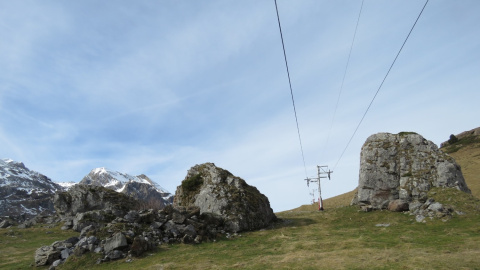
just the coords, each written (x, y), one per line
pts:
(343, 80)
(291, 91)
(378, 90)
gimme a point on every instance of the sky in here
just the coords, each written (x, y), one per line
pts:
(156, 87)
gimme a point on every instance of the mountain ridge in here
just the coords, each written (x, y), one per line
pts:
(25, 193)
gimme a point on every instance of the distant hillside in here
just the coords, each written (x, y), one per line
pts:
(466, 151)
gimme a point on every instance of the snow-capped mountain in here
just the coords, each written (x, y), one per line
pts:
(140, 187)
(24, 192)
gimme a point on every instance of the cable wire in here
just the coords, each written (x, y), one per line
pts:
(378, 90)
(291, 91)
(343, 80)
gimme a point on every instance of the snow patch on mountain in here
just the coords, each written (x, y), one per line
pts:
(22, 191)
(66, 185)
(119, 181)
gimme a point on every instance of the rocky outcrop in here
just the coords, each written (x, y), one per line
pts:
(140, 187)
(81, 198)
(133, 234)
(216, 191)
(401, 168)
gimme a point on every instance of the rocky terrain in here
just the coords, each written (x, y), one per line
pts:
(117, 226)
(398, 170)
(24, 193)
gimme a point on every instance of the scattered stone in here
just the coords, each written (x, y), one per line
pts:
(116, 242)
(46, 255)
(420, 218)
(64, 254)
(57, 263)
(383, 225)
(5, 224)
(114, 255)
(436, 206)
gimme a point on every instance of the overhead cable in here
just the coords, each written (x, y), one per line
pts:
(378, 90)
(343, 80)
(291, 91)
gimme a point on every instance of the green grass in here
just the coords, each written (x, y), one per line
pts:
(17, 246)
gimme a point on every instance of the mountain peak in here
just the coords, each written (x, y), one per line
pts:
(24, 191)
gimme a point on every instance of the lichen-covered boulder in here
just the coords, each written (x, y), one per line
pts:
(403, 166)
(216, 191)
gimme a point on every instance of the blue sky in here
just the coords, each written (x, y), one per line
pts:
(156, 87)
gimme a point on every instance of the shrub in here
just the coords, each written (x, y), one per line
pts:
(452, 139)
(192, 183)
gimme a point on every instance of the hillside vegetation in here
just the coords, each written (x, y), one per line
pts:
(341, 237)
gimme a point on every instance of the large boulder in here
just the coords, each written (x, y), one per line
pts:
(216, 191)
(82, 198)
(404, 167)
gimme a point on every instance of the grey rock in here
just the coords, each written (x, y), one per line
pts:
(114, 255)
(436, 206)
(178, 218)
(72, 240)
(65, 253)
(5, 224)
(86, 230)
(403, 166)
(117, 241)
(131, 216)
(415, 205)
(216, 191)
(420, 218)
(81, 198)
(46, 255)
(92, 240)
(57, 263)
